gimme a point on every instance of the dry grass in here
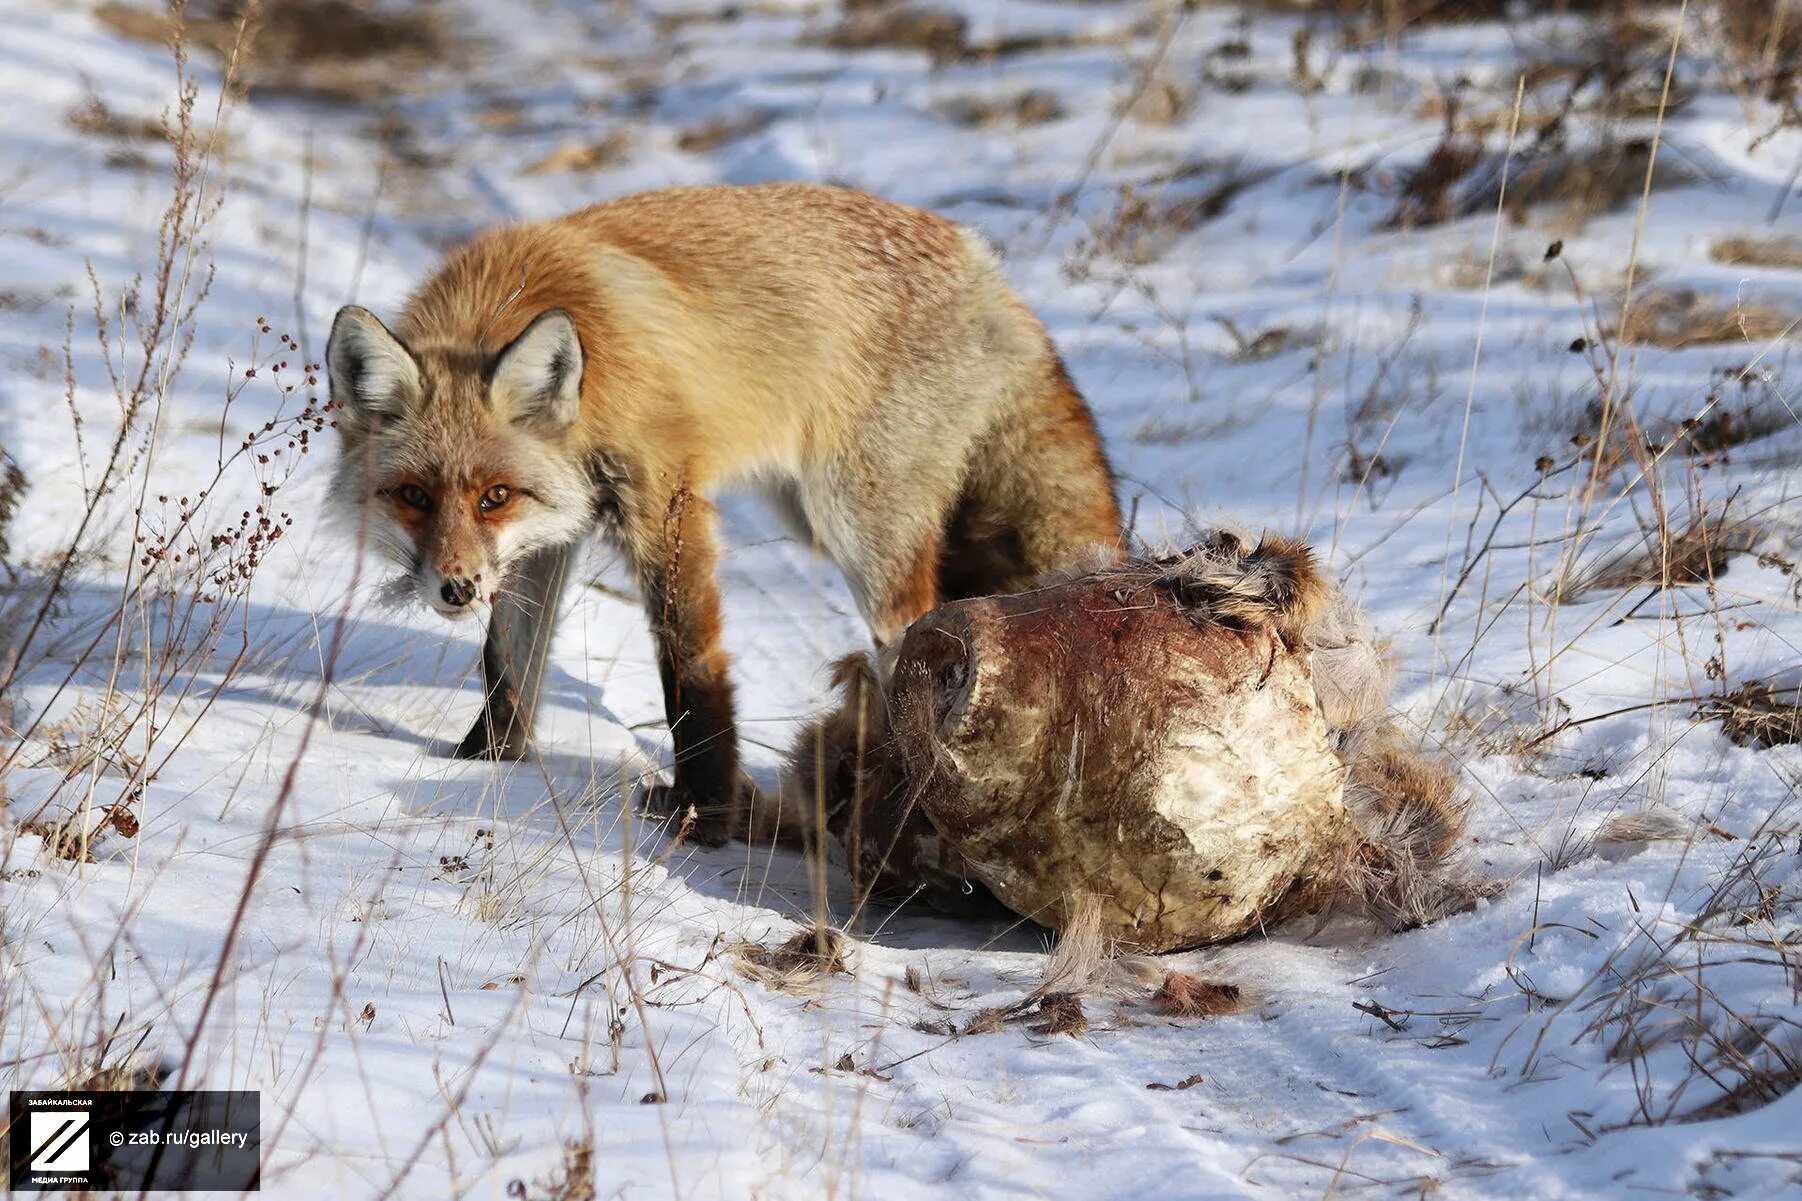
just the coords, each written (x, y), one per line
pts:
(1759, 714)
(1728, 426)
(164, 629)
(1146, 221)
(939, 32)
(798, 965)
(1268, 342)
(1762, 42)
(1391, 16)
(1697, 552)
(1429, 193)
(1577, 184)
(1675, 318)
(719, 131)
(1061, 1013)
(1784, 253)
(608, 152)
(1660, 1006)
(92, 116)
(12, 493)
(325, 49)
(1504, 721)
(1159, 99)
(1564, 187)
(1035, 106)
(127, 1073)
(573, 1181)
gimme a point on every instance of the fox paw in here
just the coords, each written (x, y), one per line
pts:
(481, 743)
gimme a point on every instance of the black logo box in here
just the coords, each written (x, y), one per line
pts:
(196, 1141)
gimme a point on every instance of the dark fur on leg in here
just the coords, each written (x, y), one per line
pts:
(513, 656)
(698, 707)
(682, 600)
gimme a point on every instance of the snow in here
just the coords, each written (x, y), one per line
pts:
(438, 972)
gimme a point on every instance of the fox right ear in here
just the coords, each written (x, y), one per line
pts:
(538, 377)
(373, 376)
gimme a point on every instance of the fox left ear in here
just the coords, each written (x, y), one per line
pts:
(373, 376)
(538, 378)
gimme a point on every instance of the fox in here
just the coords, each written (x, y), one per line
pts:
(862, 364)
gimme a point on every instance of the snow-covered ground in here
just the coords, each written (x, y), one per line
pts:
(442, 975)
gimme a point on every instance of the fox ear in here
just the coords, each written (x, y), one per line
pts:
(373, 376)
(538, 378)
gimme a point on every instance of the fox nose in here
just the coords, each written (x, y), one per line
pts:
(458, 592)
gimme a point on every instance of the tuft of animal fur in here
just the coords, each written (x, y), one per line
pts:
(843, 782)
(1222, 580)
(1384, 848)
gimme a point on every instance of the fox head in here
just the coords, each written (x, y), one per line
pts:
(458, 461)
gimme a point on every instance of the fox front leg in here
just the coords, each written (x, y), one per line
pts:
(682, 601)
(520, 629)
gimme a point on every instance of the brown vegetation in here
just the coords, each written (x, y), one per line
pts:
(1035, 106)
(325, 49)
(717, 132)
(1727, 426)
(802, 962)
(12, 492)
(1675, 318)
(92, 116)
(1061, 1013)
(583, 156)
(1566, 185)
(1779, 252)
(1697, 552)
(1146, 220)
(1759, 714)
(573, 1181)
(939, 32)
(1762, 40)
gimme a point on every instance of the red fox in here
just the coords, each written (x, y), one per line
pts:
(862, 363)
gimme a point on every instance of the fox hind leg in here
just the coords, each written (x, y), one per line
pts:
(909, 588)
(1038, 496)
(1031, 494)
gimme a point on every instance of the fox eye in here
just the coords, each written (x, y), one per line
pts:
(415, 496)
(495, 497)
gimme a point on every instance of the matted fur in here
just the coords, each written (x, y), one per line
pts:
(1275, 584)
(844, 783)
(1396, 862)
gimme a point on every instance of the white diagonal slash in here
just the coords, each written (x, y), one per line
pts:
(59, 1140)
